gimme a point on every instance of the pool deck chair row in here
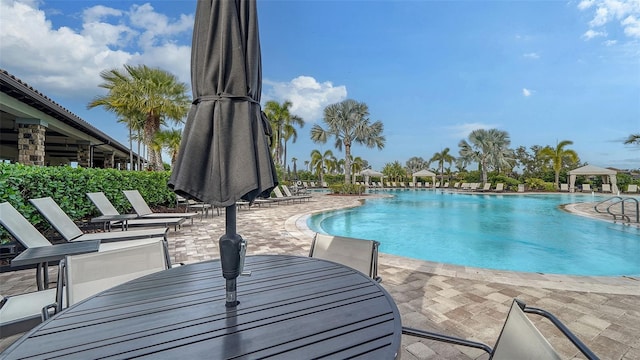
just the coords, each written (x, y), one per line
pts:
(64, 225)
(519, 338)
(106, 208)
(143, 210)
(358, 254)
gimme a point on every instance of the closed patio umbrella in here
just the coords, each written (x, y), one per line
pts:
(224, 154)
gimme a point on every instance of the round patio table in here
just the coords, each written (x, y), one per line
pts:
(290, 308)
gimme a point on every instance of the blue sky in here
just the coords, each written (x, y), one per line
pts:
(431, 71)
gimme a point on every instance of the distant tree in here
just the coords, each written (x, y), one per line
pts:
(357, 165)
(633, 139)
(394, 171)
(441, 158)
(416, 164)
(141, 91)
(559, 156)
(283, 124)
(170, 141)
(488, 148)
(320, 162)
(348, 121)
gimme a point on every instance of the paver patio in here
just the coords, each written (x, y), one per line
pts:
(604, 312)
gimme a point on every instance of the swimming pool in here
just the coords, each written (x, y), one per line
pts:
(527, 233)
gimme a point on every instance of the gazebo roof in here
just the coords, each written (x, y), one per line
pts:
(424, 173)
(592, 170)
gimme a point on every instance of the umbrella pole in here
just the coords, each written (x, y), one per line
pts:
(230, 255)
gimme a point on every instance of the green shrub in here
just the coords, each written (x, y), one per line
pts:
(539, 184)
(347, 189)
(68, 187)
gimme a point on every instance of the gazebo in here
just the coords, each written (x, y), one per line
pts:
(593, 170)
(368, 173)
(424, 173)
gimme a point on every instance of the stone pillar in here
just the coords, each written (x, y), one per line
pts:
(109, 160)
(83, 154)
(31, 137)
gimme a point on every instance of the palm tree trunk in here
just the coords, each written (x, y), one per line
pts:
(347, 164)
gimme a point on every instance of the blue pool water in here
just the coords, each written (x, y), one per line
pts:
(522, 233)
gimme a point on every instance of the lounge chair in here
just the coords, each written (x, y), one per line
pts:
(359, 254)
(499, 187)
(288, 193)
(564, 187)
(473, 186)
(632, 188)
(606, 188)
(586, 187)
(280, 197)
(519, 338)
(106, 208)
(324, 184)
(71, 232)
(446, 185)
(29, 237)
(520, 187)
(485, 187)
(143, 210)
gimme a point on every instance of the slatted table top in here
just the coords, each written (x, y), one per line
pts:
(290, 308)
(57, 252)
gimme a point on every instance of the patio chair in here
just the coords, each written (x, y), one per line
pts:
(29, 237)
(519, 338)
(22, 312)
(586, 187)
(564, 187)
(485, 187)
(106, 208)
(143, 210)
(71, 232)
(520, 187)
(632, 188)
(359, 254)
(606, 188)
(84, 275)
(499, 187)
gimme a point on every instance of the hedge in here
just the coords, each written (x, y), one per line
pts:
(68, 187)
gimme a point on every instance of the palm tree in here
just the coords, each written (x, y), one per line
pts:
(633, 139)
(348, 122)
(441, 158)
(559, 156)
(416, 164)
(357, 165)
(295, 168)
(394, 171)
(282, 121)
(320, 162)
(152, 93)
(170, 141)
(489, 148)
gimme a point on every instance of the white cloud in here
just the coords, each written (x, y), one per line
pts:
(308, 96)
(463, 130)
(610, 42)
(590, 34)
(67, 62)
(631, 26)
(526, 92)
(585, 4)
(624, 12)
(531, 55)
